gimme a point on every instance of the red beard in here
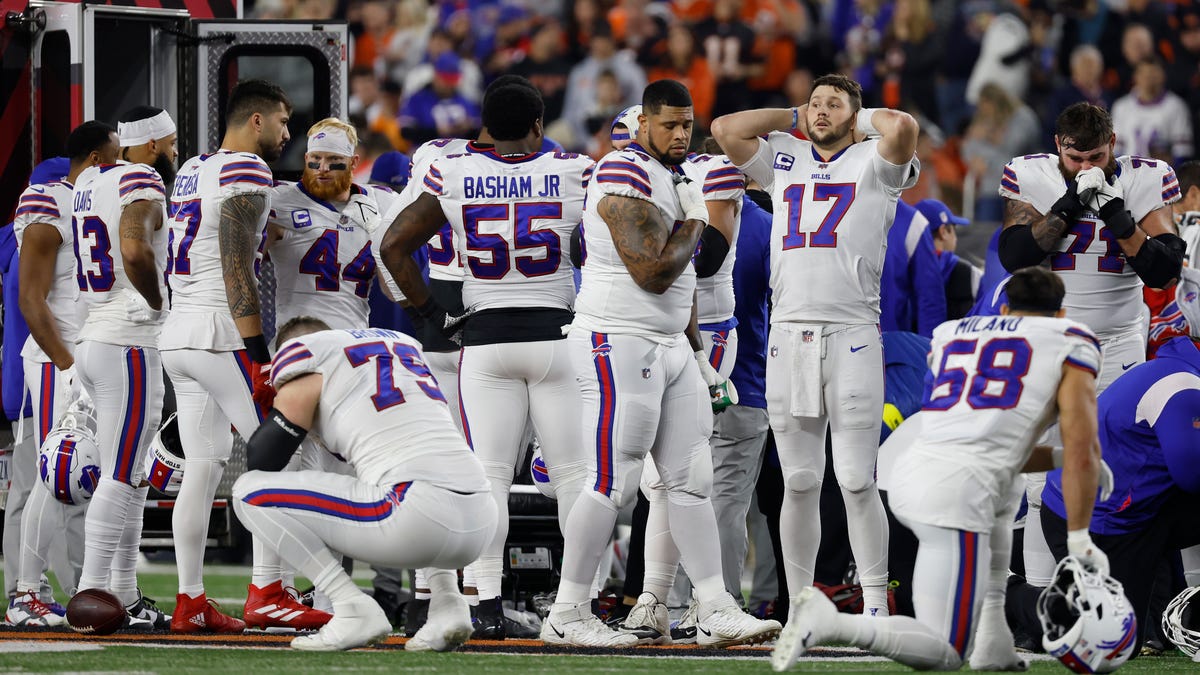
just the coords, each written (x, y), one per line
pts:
(327, 190)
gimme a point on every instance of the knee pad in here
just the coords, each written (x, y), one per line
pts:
(856, 482)
(801, 480)
(246, 483)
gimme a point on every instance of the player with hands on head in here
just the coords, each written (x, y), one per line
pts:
(45, 242)
(835, 198)
(120, 235)
(214, 349)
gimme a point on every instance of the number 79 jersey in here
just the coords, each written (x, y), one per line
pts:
(829, 229)
(1102, 289)
(512, 220)
(323, 262)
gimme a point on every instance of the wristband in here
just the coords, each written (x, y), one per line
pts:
(1080, 536)
(256, 347)
(863, 123)
(795, 118)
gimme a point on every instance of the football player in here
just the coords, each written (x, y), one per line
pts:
(642, 389)
(419, 497)
(835, 198)
(213, 345)
(45, 242)
(118, 213)
(514, 208)
(998, 383)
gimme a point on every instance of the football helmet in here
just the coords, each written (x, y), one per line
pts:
(164, 461)
(69, 458)
(541, 475)
(1181, 622)
(1088, 623)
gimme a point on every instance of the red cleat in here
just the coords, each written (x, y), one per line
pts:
(274, 607)
(200, 615)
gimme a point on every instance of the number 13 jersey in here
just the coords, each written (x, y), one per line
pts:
(829, 229)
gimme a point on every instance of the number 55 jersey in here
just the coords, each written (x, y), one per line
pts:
(994, 392)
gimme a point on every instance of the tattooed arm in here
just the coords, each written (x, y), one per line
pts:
(238, 239)
(411, 229)
(654, 256)
(1028, 236)
(139, 220)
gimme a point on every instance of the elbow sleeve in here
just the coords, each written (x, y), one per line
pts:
(1160, 260)
(576, 247)
(273, 443)
(1018, 249)
(713, 249)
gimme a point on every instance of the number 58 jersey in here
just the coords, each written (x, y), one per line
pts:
(994, 392)
(512, 220)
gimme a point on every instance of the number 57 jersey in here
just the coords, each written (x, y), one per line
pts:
(994, 392)
(512, 220)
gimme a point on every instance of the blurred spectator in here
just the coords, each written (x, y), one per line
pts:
(439, 110)
(1137, 45)
(776, 25)
(371, 146)
(583, 21)
(414, 23)
(581, 86)
(1003, 56)
(962, 37)
(607, 104)
(1183, 73)
(364, 92)
(507, 44)
(1151, 121)
(683, 63)
(546, 67)
(959, 277)
(911, 51)
(927, 186)
(1086, 84)
(377, 103)
(1002, 128)
(728, 45)
(375, 17)
(860, 25)
(633, 25)
(470, 83)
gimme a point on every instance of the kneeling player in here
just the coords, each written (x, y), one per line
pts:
(419, 498)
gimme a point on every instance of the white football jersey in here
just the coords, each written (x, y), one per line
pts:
(101, 195)
(323, 262)
(829, 229)
(200, 317)
(1103, 291)
(51, 204)
(994, 392)
(609, 300)
(444, 262)
(381, 410)
(512, 220)
(719, 181)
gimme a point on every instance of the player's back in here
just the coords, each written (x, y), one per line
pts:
(995, 387)
(51, 204)
(100, 197)
(200, 317)
(829, 237)
(512, 219)
(719, 180)
(323, 260)
(610, 301)
(381, 409)
(1103, 291)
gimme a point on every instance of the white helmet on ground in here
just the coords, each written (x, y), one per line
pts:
(1088, 623)
(164, 461)
(539, 472)
(69, 458)
(1181, 622)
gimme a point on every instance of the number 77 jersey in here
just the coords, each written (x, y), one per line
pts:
(512, 220)
(829, 228)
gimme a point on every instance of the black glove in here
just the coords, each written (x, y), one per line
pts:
(1117, 219)
(1068, 207)
(449, 325)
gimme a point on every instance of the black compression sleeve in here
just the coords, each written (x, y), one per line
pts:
(273, 443)
(256, 349)
(1160, 260)
(1018, 248)
(713, 249)
(576, 247)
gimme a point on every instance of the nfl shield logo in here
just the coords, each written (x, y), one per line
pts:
(645, 373)
(807, 336)
(774, 351)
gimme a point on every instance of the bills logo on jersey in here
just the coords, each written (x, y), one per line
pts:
(784, 161)
(301, 218)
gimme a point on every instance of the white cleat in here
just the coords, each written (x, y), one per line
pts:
(648, 621)
(357, 624)
(28, 611)
(997, 655)
(811, 616)
(446, 629)
(578, 627)
(727, 625)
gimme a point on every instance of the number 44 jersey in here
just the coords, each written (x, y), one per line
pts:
(994, 391)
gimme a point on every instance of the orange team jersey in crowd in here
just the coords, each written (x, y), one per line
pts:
(698, 79)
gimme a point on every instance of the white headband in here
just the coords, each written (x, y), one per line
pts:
(331, 140)
(143, 131)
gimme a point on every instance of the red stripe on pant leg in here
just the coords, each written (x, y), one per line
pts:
(135, 414)
(965, 598)
(46, 413)
(608, 407)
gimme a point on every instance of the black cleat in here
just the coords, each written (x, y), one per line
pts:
(489, 620)
(416, 611)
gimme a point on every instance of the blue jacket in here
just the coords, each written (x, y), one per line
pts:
(12, 374)
(751, 287)
(1151, 439)
(905, 368)
(912, 294)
